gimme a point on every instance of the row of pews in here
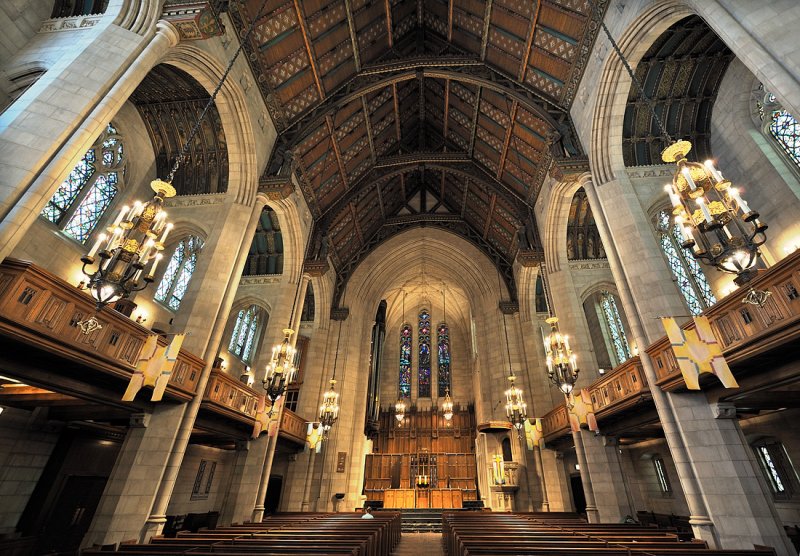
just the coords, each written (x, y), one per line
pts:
(556, 534)
(321, 534)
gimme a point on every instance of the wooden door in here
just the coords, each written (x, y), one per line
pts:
(72, 513)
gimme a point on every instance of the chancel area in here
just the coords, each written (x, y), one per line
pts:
(389, 277)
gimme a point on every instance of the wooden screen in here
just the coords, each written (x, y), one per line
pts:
(424, 443)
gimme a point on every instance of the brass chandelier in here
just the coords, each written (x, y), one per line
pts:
(329, 409)
(562, 364)
(280, 371)
(718, 226)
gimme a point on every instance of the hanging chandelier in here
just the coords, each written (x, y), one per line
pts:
(132, 243)
(562, 365)
(717, 225)
(516, 408)
(329, 410)
(280, 370)
(400, 410)
(447, 405)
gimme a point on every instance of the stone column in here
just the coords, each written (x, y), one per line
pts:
(155, 522)
(588, 492)
(136, 476)
(608, 481)
(540, 471)
(38, 152)
(312, 457)
(245, 477)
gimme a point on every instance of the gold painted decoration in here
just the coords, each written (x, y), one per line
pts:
(534, 433)
(154, 367)
(697, 351)
(313, 438)
(582, 412)
(498, 469)
(262, 417)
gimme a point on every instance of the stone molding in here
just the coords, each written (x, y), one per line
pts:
(724, 410)
(139, 420)
(508, 307)
(340, 313)
(587, 265)
(195, 200)
(654, 171)
(70, 23)
(260, 280)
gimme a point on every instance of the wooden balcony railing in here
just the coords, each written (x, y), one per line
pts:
(229, 396)
(622, 388)
(555, 424)
(743, 330)
(42, 311)
(293, 427)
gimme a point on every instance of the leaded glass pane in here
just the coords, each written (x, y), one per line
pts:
(182, 282)
(251, 336)
(443, 340)
(91, 208)
(661, 473)
(786, 131)
(405, 362)
(679, 266)
(69, 190)
(769, 465)
(424, 371)
(171, 272)
(236, 330)
(615, 328)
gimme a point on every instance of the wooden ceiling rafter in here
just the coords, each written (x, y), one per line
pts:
(475, 115)
(487, 21)
(337, 154)
(523, 67)
(301, 21)
(450, 20)
(446, 107)
(356, 224)
(397, 126)
(489, 215)
(507, 142)
(368, 124)
(389, 32)
(353, 39)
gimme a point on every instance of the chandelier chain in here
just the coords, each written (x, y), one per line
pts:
(505, 328)
(196, 129)
(336, 357)
(636, 83)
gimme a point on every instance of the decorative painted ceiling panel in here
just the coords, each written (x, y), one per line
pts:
(419, 112)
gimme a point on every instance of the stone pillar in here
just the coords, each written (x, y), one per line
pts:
(38, 152)
(257, 514)
(588, 492)
(608, 481)
(136, 476)
(245, 476)
(312, 457)
(537, 451)
(557, 481)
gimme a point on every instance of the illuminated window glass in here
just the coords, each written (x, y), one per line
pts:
(443, 341)
(81, 200)
(405, 361)
(244, 333)
(615, 328)
(179, 271)
(661, 474)
(782, 126)
(686, 271)
(777, 468)
(424, 370)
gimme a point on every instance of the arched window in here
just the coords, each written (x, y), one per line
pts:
(443, 340)
(266, 249)
(583, 238)
(780, 124)
(424, 371)
(686, 271)
(777, 468)
(179, 271)
(307, 315)
(82, 199)
(661, 475)
(614, 325)
(540, 299)
(244, 333)
(405, 361)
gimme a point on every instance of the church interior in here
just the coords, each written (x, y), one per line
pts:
(379, 277)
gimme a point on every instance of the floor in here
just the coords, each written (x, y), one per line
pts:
(419, 544)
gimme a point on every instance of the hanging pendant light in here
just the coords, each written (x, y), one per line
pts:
(329, 410)
(562, 365)
(516, 408)
(400, 406)
(447, 405)
(280, 370)
(718, 226)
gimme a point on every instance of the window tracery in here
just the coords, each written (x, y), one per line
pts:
(80, 201)
(781, 125)
(686, 271)
(777, 468)
(614, 323)
(424, 370)
(244, 333)
(405, 362)
(443, 341)
(179, 272)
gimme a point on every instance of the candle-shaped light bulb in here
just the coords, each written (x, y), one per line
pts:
(736, 196)
(100, 239)
(689, 180)
(137, 208)
(137, 275)
(673, 197)
(121, 215)
(709, 164)
(157, 258)
(166, 232)
(704, 209)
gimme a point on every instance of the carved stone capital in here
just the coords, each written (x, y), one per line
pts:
(530, 257)
(724, 410)
(569, 169)
(139, 420)
(509, 307)
(340, 313)
(276, 188)
(316, 268)
(193, 20)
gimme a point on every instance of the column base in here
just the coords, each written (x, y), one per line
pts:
(152, 527)
(592, 515)
(258, 514)
(703, 529)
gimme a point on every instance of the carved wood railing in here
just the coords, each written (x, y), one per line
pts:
(555, 424)
(621, 388)
(293, 427)
(743, 330)
(42, 311)
(229, 396)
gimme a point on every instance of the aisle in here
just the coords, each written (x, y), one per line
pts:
(419, 544)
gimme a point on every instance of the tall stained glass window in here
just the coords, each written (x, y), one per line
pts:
(81, 200)
(424, 371)
(782, 126)
(614, 323)
(244, 333)
(685, 269)
(405, 361)
(443, 340)
(179, 271)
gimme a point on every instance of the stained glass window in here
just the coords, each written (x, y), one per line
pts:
(777, 468)
(661, 474)
(179, 271)
(615, 328)
(424, 370)
(244, 333)
(686, 271)
(786, 130)
(443, 340)
(81, 200)
(405, 361)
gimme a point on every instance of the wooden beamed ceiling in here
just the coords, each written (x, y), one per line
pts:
(453, 109)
